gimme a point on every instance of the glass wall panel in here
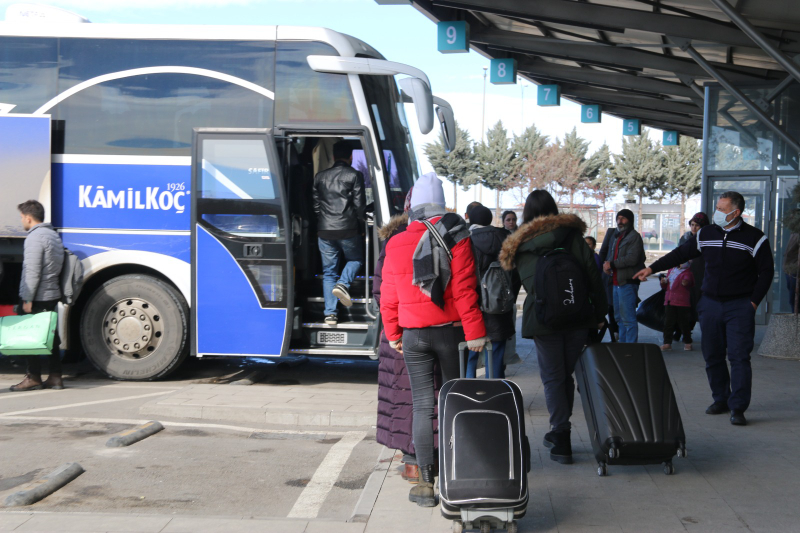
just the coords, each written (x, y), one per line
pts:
(755, 198)
(783, 205)
(788, 115)
(737, 139)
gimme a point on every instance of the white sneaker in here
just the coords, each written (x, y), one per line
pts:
(340, 291)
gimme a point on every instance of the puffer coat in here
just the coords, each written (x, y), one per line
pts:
(42, 260)
(395, 406)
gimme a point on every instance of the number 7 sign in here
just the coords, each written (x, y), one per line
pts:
(549, 95)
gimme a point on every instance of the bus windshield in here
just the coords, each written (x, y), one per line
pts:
(394, 138)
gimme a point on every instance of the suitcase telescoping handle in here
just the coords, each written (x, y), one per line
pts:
(463, 353)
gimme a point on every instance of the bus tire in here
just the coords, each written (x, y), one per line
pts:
(135, 328)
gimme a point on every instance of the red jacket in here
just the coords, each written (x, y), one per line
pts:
(403, 305)
(678, 295)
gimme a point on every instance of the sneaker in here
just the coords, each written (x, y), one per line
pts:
(340, 291)
(561, 452)
(737, 418)
(687, 347)
(331, 320)
(666, 347)
(717, 408)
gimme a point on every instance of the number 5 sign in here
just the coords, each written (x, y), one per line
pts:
(503, 71)
(590, 114)
(631, 127)
(453, 37)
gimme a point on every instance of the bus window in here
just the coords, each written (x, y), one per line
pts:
(391, 127)
(28, 72)
(305, 96)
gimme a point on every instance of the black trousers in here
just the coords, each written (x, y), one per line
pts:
(680, 316)
(558, 353)
(54, 358)
(422, 348)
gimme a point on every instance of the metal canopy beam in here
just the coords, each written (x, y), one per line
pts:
(602, 96)
(594, 15)
(751, 31)
(604, 79)
(749, 104)
(603, 54)
(629, 112)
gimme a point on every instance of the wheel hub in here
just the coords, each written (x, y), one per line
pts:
(132, 328)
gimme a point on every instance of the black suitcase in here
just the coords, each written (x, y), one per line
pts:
(484, 455)
(630, 406)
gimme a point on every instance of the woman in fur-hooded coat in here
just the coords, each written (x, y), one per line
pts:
(394, 389)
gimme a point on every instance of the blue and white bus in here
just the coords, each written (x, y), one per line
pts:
(177, 161)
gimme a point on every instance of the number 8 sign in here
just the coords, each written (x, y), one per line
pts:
(503, 71)
(453, 37)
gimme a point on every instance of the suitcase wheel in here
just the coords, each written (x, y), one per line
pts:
(602, 469)
(668, 468)
(682, 452)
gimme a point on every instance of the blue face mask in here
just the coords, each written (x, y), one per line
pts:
(720, 218)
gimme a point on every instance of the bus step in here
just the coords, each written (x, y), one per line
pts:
(365, 352)
(322, 300)
(340, 325)
(322, 276)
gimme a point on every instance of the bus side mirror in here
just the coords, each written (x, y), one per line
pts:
(447, 121)
(420, 92)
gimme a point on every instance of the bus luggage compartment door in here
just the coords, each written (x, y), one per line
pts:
(241, 245)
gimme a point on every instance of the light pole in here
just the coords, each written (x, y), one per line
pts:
(483, 127)
(522, 106)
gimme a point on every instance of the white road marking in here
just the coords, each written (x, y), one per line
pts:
(134, 422)
(83, 404)
(19, 396)
(313, 496)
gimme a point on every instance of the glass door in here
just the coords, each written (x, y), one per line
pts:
(783, 204)
(241, 251)
(756, 192)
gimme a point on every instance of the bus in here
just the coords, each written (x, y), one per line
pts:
(177, 162)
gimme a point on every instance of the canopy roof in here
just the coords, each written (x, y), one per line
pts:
(626, 54)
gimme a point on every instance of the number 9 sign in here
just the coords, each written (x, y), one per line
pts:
(453, 37)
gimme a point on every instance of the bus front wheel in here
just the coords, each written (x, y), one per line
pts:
(135, 327)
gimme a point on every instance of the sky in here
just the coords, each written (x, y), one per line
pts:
(401, 34)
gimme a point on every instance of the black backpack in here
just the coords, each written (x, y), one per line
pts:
(497, 298)
(561, 291)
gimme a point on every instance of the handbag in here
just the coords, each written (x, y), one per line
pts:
(28, 334)
(651, 312)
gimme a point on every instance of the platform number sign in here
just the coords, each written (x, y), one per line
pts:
(631, 127)
(453, 37)
(670, 138)
(503, 71)
(549, 95)
(590, 114)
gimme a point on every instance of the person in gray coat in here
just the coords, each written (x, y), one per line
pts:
(625, 257)
(39, 288)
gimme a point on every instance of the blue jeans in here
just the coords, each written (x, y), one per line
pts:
(353, 253)
(498, 351)
(625, 311)
(728, 329)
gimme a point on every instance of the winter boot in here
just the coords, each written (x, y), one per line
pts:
(422, 494)
(410, 473)
(561, 451)
(54, 382)
(30, 382)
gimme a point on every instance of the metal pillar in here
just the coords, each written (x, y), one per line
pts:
(749, 104)
(758, 38)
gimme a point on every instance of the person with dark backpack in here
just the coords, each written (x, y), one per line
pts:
(565, 302)
(497, 288)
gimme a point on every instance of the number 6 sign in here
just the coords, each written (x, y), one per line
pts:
(590, 114)
(453, 37)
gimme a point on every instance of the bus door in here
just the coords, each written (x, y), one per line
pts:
(241, 246)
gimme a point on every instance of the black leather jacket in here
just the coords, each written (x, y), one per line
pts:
(339, 200)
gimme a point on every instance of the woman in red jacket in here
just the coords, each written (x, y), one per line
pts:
(429, 304)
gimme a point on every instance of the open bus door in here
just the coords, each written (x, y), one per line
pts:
(242, 290)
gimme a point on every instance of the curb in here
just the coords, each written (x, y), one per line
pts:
(126, 438)
(365, 503)
(46, 486)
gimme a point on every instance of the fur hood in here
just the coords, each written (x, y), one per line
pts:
(386, 231)
(533, 229)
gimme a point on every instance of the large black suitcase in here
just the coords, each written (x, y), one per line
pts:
(484, 455)
(630, 406)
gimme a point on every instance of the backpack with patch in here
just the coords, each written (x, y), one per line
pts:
(71, 278)
(562, 291)
(497, 298)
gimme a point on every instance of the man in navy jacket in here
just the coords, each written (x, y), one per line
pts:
(739, 272)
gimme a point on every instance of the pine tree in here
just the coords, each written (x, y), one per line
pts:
(603, 187)
(639, 169)
(459, 166)
(588, 166)
(496, 162)
(683, 171)
(527, 147)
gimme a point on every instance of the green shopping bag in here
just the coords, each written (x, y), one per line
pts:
(28, 334)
